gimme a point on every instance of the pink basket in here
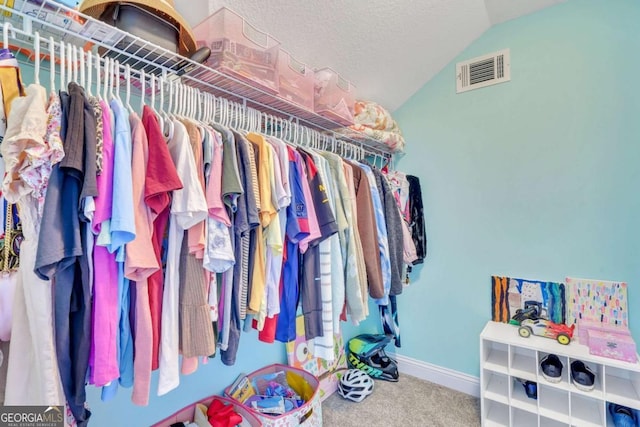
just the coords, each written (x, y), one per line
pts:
(308, 415)
(187, 413)
(239, 49)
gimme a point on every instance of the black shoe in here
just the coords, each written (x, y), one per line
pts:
(551, 368)
(583, 377)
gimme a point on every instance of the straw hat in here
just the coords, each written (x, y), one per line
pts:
(164, 8)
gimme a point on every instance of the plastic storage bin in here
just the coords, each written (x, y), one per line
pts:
(334, 97)
(308, 415)
(296, 80)
(239, 49)
(187, 413)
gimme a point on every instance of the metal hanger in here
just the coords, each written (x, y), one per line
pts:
(143, 88)
(52, 64)
(70, 77)
(116, 69)
(36, 48)
(89, 70)
(98, 68)
(127, 93)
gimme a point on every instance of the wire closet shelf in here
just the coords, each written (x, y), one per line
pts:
(68, 26)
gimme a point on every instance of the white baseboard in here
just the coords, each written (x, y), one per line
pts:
(437, 374)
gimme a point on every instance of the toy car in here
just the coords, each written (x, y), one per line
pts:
(546, 328)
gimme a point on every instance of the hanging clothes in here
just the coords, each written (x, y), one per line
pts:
(140, 264)
(160, 181)
(30, 148)
(104, 357)
(62, 247)
(417, 226)
(188, 208)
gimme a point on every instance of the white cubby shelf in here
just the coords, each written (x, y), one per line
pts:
(506, 359)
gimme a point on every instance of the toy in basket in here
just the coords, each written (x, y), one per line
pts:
(279, 396)
(213, 411)
(300, 355)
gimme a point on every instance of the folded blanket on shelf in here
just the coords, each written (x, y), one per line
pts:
(375, 122)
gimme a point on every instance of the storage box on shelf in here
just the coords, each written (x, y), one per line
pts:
(334, 97)
(239, 49)
(296, 80)
(507, 359)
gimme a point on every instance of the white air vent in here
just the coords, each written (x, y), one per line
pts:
(483, 71)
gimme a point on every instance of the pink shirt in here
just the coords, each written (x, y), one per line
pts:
(140, 262)
(314, 227)
(104, 355)
(214, 189)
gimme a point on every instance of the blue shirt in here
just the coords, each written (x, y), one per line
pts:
(123, 227)
(383, 243)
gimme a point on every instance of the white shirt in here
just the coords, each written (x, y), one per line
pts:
(188, 208)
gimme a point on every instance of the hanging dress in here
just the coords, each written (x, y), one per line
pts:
(30, 148)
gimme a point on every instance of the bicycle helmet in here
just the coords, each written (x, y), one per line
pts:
(366, 352)
(355, 385)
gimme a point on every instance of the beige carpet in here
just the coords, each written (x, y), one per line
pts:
(409, 402)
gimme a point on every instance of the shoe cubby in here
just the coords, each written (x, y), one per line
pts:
(495, 414)
(506, 359)
(622, 387)
(522, 363)
(519, 398)
(550, 422)
(631, 418)
(553, 403)
(587, 411)
(575, 387)
(522, 418)
(496, 356)
(563, 382)
(496, 386)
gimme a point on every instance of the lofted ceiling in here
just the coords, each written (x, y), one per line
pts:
(387, 49)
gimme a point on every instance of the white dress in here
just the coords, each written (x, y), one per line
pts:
(33, 377)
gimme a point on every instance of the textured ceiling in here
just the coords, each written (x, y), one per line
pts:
(387, 49)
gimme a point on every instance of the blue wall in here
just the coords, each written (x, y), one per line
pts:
(536, 178)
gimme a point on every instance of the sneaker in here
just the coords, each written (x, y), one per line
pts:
(551, 368)
(531, 389)
(622, 416)
(583, 377)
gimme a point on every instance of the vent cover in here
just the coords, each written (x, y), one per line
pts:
(483, 71)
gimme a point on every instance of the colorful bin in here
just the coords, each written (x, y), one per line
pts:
(187, 413)
(308, 415)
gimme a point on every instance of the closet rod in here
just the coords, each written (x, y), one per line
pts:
(68, 25)
(225, 111)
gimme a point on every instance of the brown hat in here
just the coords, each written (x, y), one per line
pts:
(164, 8)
